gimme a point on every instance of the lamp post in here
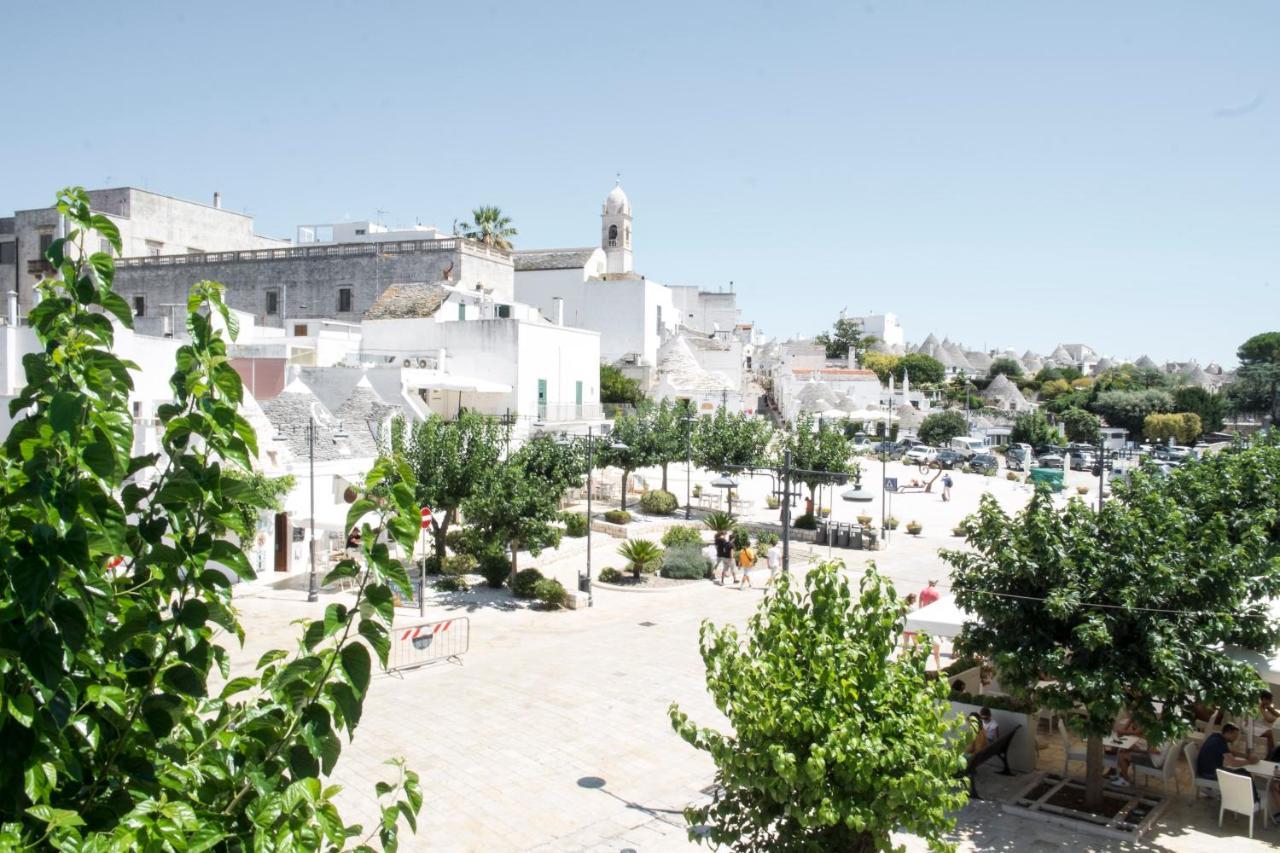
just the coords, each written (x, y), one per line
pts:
(313, 592)
(688, 463)
(584, 580)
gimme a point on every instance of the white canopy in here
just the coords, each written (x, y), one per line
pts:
(942, 619)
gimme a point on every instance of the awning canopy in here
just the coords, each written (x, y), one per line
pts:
(416, 378)
(942, 619)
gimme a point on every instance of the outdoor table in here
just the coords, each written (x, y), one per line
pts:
(1121, 742)
(1261, 768)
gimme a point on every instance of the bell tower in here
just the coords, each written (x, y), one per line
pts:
(615, 231)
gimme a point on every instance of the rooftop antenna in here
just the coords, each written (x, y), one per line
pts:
(380, 213)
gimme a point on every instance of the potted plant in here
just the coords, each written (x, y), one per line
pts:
(772, 502)
(914, 528)
(957, 531)
(697, 490)
(864, 520)
(825, 512)
(891, 523)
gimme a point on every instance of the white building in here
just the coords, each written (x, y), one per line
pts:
(886, 329)
(599, 289)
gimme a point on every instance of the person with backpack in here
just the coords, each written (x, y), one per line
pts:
(724, 557)
(946, 487)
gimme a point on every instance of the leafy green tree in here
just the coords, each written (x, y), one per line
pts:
(560, 466)
(448, 459)
(669, 425)
(838, 738)
(489, 226)
(616, 387)
(1008, 366)
(642, 555)
(884, 364)
(823, 449)
(1130, 607)
(923, 369)
(1081, 426)
(116, 593)
(727, 439)
(1128, 409)
(516, 507)
(939, 428)
(1033, 428)
(1211, 407)
(1130, 377)
(1260, 370)
(632, 445)
(1182, 427)
(845, 335)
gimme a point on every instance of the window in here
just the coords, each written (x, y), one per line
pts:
(139, 305)
(137, 408)
(154, 248)
(300, 330)
(504, 312)
(344, 300)
(659, 332)
(359, 232)
(46, 240)
(273, 302)
(613, 235)
(8, 253)
(462, 311)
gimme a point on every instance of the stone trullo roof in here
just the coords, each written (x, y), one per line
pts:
(408, 301)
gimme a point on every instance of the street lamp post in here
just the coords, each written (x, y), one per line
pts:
(313, 592)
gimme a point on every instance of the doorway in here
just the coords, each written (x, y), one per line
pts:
(282, 542)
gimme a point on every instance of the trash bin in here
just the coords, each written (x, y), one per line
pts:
(821, 533)
(855, 538)
(843, 540)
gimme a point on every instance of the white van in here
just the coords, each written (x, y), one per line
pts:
(968, 445)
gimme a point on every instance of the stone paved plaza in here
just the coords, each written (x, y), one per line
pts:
(552, 733)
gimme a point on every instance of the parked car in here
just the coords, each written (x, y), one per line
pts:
(892, 449)
(984, 463)
(949, 458)
(1049, 460)
(1018, 457)
(921, 454)
(1081, 460)
(967, 445)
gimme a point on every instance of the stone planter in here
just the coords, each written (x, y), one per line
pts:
(1131, 812)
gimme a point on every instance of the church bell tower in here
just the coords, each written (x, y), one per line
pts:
(615, 231)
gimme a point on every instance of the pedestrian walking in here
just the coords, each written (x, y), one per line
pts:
(946, 487)
(724, 557)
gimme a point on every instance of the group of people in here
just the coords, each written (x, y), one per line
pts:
(745, 560)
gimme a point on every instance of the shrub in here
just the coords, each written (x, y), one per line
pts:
(891, 523)
(1082, 490)
(609, 575)
(451, 583)
(772, 502)
(617, 516)
(526, 580)
(642, 555)
(825, 512)
(459, 564)
(575, 524)
(457, 540)
(550, 592)
(741, 537)
(697, 491)
(914, 528)
(658, 502)
(766, 539)
(686, 562)
(720, 522)
(864, 520)
(496, 568)
(1011, 476)
(682, 536)
(808, 521)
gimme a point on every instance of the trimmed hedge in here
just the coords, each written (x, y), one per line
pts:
(685, 562)
(550, 592)
(808, 521)
(617, 516)
(682, 535)
(609, 575)
(658, 502)
(525, 583)
(575, 524)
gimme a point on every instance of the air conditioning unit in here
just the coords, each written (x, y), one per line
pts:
(422, 362)
(408, 362)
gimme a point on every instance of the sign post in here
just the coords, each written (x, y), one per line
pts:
(422, 569)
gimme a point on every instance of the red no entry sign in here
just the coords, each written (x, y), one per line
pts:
(426, 517)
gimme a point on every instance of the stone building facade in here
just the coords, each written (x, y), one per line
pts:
(150, 224)
(336, 281)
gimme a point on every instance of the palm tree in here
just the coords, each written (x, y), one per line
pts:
(640, 554)
(490, 227)
(720, 522)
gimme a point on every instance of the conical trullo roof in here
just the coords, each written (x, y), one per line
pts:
(1004, 394)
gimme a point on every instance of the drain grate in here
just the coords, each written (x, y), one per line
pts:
(647, 624)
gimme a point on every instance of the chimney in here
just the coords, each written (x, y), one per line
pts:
(557, 311)
(217, 200)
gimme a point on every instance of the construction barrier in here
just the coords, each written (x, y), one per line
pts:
(417, 645)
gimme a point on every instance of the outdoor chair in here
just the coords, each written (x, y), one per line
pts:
(1167, 770)
(1237, 797)
(1069, 753)
(1198, 785)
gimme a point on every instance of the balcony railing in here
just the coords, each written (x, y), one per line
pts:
(336, 250)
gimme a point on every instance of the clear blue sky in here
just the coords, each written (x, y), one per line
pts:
(1006, 173)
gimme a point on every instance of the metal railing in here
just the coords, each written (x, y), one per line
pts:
(337, 250)
(413, 646)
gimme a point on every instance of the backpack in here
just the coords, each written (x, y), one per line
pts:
(946, 480)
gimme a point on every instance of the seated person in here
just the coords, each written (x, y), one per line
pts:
(978, 737)
(1215, 754)
(1264, 726)
(989, 726)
